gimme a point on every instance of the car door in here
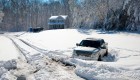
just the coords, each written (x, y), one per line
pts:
(103, 47)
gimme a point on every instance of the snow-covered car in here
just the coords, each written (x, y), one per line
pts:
(91, 48)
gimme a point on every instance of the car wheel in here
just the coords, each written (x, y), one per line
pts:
(99, 58)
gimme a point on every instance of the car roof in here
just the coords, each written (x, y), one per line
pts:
(93, 39)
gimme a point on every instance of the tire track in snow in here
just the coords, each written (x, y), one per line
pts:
(34, 47)
(55, 64)
(21, 50)
(23, 55)
(49, 53)
(22, 65)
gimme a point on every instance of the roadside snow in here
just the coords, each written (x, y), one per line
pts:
(7, 49)
(122, 62)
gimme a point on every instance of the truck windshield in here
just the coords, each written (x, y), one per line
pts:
(89, 43)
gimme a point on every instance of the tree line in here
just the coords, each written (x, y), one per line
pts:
(19, 15)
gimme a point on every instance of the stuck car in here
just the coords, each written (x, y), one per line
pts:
(91, 48)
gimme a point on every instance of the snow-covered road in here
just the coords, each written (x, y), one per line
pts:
(38, 66)
(8, 50)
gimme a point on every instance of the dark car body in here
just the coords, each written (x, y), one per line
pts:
(37, 29)
(91, 48)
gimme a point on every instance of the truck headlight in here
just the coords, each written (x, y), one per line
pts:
(95, 54)
(95, 51)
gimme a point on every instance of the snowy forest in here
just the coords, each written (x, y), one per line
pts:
(116, 15)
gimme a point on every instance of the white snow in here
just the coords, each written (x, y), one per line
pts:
(7, 49)
(122, 63)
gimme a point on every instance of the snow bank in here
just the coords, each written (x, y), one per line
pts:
(2, 71)
(11, 64)
(8, 76)
(6, 66)
(95, 70)
(105, 72)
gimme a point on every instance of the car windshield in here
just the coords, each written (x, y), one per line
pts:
(89, 43)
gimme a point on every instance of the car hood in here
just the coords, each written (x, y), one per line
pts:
(87, 49)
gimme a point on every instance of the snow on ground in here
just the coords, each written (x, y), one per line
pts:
(37, 67)
(122, 62)
(41, 69)
(7, 50)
